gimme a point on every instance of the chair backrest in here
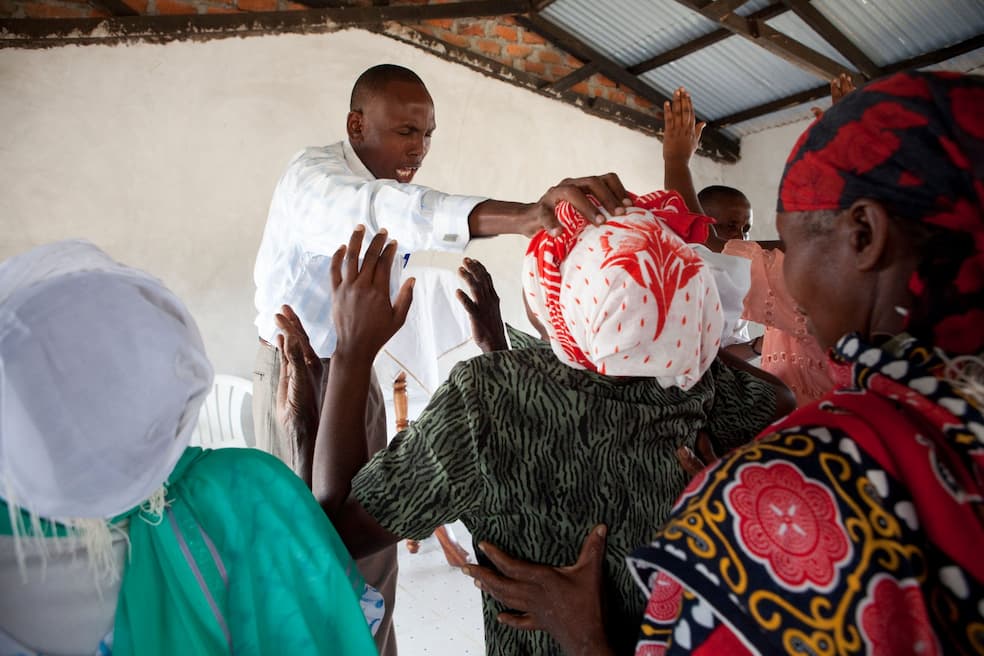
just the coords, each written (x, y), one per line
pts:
(220, 423)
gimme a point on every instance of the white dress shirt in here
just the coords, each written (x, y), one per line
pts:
(323, 195)
(733, 276)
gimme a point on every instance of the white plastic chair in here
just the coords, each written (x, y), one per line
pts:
(220, 423)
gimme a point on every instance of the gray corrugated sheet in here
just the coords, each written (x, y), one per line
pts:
(730, 76)
(735, 74)
(972, 61)
(793, 26)
(629, 31)
(889, 31)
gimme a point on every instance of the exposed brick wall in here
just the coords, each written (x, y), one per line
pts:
(511, 44)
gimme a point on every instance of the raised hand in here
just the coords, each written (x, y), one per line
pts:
(681, 131)
(563, 601)
(840, 86)
(482, 307)
(299, 391)
(365, 319)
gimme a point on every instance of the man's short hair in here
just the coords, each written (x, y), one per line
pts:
(375, 79)
(717, 193)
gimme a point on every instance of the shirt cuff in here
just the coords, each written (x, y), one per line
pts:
(451, 221)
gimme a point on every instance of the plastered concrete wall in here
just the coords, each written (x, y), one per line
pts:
(757, 174)
(166, 155)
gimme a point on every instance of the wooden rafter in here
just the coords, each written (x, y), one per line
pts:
(614, 71)
(671, 55)
(761, 34)
(46, 32)
(720, 8)
(832, 35)
(572, 78)
(630, 118)
(928, 59)
(709, 39)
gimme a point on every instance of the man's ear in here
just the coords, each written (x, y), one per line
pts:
(353, 125)
(869, 228)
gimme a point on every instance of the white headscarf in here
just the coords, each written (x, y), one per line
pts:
(102, 375)
(627, 298)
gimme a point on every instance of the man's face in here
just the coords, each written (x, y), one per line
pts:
(733, 215)
(392, 133)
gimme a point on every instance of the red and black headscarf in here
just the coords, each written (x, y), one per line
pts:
(915, 142)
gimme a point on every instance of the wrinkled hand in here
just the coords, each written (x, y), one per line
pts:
(365, 319)
(299, 389)
(694, 463)
(482, 307)
(681, 131)
(840, 86)
(566, 602)
(607, 189)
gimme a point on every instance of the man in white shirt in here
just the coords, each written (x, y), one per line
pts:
(366, 179)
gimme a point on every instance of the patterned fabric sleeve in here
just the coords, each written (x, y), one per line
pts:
(768, 302)
(520, 340)
(744, 406)
(428, 475)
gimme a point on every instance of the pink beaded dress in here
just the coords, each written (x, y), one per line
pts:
(789, 351)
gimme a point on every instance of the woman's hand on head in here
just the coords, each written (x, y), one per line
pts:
(566, 602)
(365, 318)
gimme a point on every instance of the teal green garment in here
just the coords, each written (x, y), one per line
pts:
(288, 585)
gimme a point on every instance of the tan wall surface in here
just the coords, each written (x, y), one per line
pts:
(166, 155)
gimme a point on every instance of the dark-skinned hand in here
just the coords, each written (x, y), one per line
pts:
(607, 190)
(840, 86)
(299, 389)
(681, 131)
(563, 601)
(365, 319)
(482, 306)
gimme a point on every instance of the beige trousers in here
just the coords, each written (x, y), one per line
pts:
(380, 569)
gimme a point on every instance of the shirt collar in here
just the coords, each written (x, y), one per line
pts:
(354, 163)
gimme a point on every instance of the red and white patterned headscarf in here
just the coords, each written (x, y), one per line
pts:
(628, 298)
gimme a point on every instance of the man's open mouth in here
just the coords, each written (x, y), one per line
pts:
(406, 174)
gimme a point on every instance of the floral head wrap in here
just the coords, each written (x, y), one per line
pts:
(915, 142)
(628, 298)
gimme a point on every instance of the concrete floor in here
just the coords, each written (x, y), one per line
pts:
(438, 609)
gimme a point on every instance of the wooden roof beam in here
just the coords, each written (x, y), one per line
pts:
(832, 35)
(614, 71)
(782, 46)
(709, 39)
(929, 59)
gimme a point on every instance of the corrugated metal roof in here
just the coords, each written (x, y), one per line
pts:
(775, 119)
(735, 74)
(730, 76)
(970, 62)
(889, 31)
(629, 31)
(752, 6)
